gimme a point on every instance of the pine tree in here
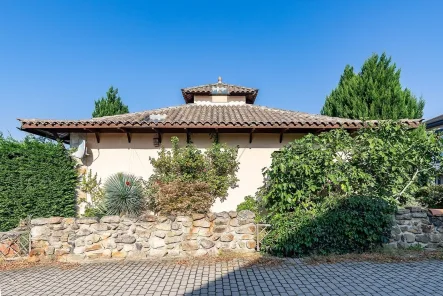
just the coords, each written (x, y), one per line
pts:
(111, 105)
(374, 93)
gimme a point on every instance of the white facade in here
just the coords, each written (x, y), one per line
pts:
(114, 154)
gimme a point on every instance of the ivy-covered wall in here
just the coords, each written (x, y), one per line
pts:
(37, 178)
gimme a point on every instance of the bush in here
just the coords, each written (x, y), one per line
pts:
(390, 161)
(210, 173)
(431, 196)
(339, 225)
(124, 195)
(182, 198)
(37, 178)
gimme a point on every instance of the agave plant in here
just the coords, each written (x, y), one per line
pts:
(124, 195)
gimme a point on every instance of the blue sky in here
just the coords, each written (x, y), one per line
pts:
(57, 57)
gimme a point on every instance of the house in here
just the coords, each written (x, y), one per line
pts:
(436, 124)
(124, 143)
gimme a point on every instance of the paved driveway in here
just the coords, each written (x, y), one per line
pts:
(236, 278)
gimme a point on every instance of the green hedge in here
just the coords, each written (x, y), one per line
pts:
(339, 225)
(37, 178)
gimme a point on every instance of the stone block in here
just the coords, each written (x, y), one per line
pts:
(119, 254)
(206, 232)
(189, 245)
(174, 233)
(109, 243)
(175, 226)
(110, 219)
(435, 237)
(211, 217)
(50, 250)
(99, 227)
(408, 237)
(419, 215)
(43, 221)
(403, 217)
(183, 218)
(402, 211)
(206, 243)
(220, 229)
(221, 221)
(37, 231)
(79, 242)
(192, 236)
(245, 214)
(83, 232)
(93, 247)
(60, 252)
(247, 229)
(197, 216)
(79, 250)
(202, 223)
(250, 244)
(173, 239)
(187, 223)
(227, 237)
(234, 222)
(87, 220)
(160, 234)
(163, 226)
(91, 239)
(57, 227)
(403, 222)
(232, 214)
(422, 238)
(414, 209)
(148, 218)
(126, 239)
(427, 228)
(247, 236)
(157, 253)
(156, 242)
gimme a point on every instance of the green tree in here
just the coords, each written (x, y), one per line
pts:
(374, 93)
(111, 105)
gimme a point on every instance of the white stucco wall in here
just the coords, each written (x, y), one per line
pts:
(114, 154)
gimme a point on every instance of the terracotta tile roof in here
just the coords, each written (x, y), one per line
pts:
(230, 89)
(433, 122)
(200, 115)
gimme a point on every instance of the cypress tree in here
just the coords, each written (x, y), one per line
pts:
(111, 105)
(374, 93)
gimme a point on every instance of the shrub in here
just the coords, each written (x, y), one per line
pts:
(124, 195)
(390, 161)
(214, 169)
(338, 225)
(37, 178)
(178, 197)
(431, 196)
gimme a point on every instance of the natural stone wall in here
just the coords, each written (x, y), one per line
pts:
(70, 239)
(416, 226)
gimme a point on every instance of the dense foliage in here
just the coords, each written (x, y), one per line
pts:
(431, 196)
(179, 197)
(216, 167)
(337, 225)
(37, 178)
(390, 161)
(111, 105)
(124, 195)
(374, 93)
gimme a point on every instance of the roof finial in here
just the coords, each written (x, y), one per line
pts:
(219, 79)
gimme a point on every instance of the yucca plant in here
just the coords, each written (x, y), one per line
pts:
(124, 195)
